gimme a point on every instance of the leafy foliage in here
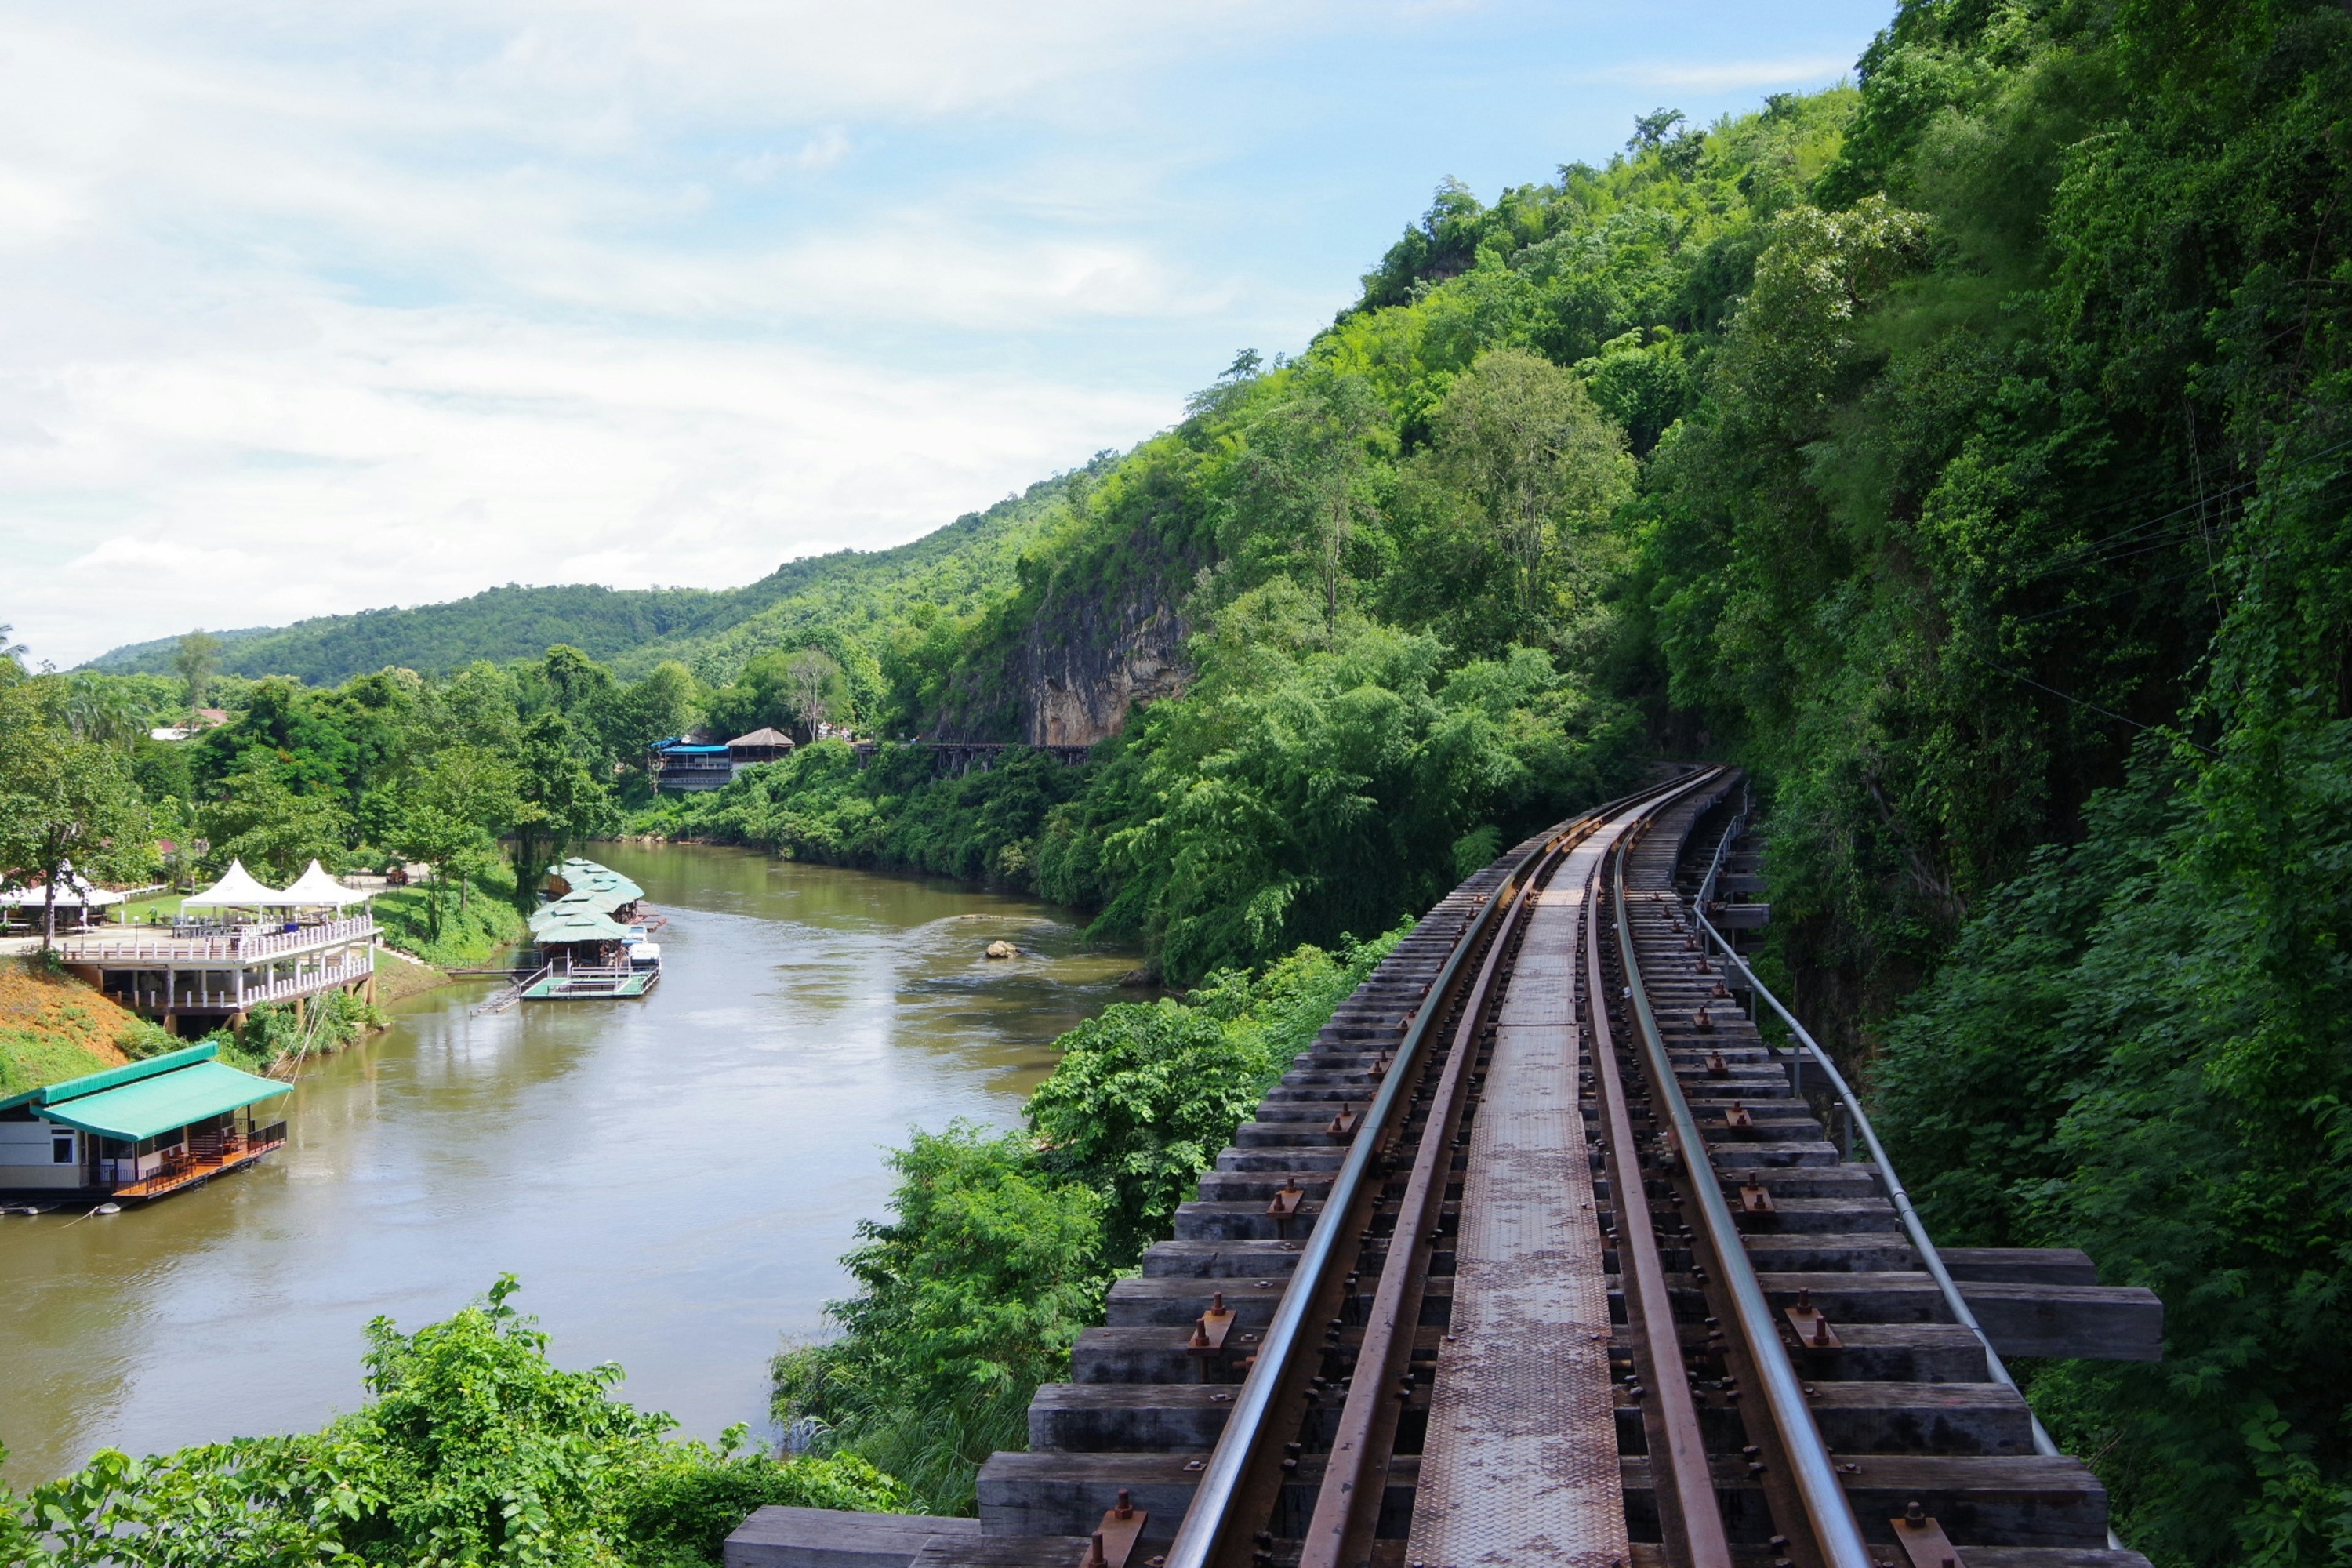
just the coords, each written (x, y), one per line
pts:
(473, 1448)
(1002, 1244)
(1145, 1095)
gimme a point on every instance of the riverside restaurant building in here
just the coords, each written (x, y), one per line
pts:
(134, 1132)
(233, 947)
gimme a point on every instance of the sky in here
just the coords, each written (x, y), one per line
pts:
(318, 308)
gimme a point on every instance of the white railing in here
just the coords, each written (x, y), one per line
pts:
(307, 982)
(229, 999)
(251, 943)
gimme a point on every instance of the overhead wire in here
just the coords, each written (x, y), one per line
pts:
(2082, 702)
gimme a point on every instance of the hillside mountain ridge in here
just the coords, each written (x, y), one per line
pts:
(714, 631)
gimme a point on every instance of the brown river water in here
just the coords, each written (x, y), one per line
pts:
(672, 1180)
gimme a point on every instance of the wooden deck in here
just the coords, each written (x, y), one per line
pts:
(593, 985)
(202, 1165)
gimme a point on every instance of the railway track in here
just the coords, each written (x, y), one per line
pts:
(1541, 1254)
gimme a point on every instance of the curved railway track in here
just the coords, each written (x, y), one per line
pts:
(1542, 1254)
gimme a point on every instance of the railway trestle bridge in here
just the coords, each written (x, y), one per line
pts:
(1545, 1254)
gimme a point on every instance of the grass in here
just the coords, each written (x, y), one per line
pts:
(54, 1027)
(397, 977)
(466, 938)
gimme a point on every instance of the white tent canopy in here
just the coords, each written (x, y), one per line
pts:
(69, 897)
(315, 886)
(236, 891)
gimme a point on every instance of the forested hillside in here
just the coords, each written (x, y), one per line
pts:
(851, 600)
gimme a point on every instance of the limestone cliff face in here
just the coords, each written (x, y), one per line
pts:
(1088, 662)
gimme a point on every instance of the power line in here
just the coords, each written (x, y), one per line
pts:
(2079, 702)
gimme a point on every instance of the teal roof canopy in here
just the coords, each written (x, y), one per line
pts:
(575, 919)
(152, 1105)
(601, 886)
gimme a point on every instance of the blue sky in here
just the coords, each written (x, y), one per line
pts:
(314, 309)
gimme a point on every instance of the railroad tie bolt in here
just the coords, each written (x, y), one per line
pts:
(1913, 1513)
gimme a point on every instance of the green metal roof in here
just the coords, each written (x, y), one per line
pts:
(575, 919)
(158, 1104)
(110, 1078)
(599, 884)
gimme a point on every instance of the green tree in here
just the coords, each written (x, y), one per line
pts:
(563, 802)
(196, 660)
(472, 1448)
(1143, 1098)
(969, 1298)
(101, 711)
(462, 801)
(1525, 438)
(275, 829)
(1306, 476)
(63, 800)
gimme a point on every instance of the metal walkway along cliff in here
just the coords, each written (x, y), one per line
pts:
(1542, 1254)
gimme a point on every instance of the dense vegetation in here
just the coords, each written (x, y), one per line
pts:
(386, 769)
(1001, 1245)
(472, 1447)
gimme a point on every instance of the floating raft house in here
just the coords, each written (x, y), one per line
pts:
(135, 1131)
(585, 939)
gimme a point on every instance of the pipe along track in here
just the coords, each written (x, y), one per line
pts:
(1539, 1255)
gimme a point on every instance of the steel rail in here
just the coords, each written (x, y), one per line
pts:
(1647, 1298)
(1201, 1539)
(1831, 1517)
(1913, 1227)
(1347, 1509)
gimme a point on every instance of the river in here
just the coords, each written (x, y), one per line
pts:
(672, 1180)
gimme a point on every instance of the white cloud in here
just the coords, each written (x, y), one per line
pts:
(401, 460)
(823, 151)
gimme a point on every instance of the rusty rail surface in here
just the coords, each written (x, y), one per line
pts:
(1237, 1493)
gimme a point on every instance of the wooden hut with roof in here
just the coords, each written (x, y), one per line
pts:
(763, 745)
(590, 941)
(136, 1131)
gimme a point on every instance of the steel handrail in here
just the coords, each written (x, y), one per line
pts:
(1921, 1243)
(1206, 1520)
(1832, 1517)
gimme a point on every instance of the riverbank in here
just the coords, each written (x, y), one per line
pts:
(672, 1179)
(1000, 1246)
(54, 1027)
